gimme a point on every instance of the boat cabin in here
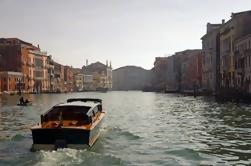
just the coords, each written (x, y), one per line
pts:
(74, 113)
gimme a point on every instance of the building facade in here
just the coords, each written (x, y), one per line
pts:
(243, 63)
(160, 73)
(38, 71)
(51, 75)
(191, 69)
(59, 83)
(88, 82)
(23, 57)
(14, 57)
(101, 75)
(171, 81)
(236, 28)
(11, 82)
(68, 78)
(79, 82)
(210, 58)
(131, 78)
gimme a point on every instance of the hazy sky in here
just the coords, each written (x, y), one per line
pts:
(127, 32)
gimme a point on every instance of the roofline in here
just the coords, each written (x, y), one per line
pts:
(212, 31)
(243, 38)
(243, 12)
(65, 105)
(14, 38)
(233, 15)
(129, 66)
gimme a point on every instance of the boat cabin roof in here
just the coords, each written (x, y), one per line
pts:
(79, 104)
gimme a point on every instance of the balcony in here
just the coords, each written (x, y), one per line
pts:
(39, 78)
(240, 71)
(236, 52)
(31, 64)
(247, 51)
(36, 52)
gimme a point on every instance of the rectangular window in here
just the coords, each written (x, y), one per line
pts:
(38, 62)
(249, 60)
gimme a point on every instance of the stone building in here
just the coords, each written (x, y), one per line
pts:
(242, 58)
(68, 78)
(190, 69)
(210, 58)
(131, 78)
(171, 75)
(38, 71)
(101, 74)
(88, 82)
(59, 84)
(11, 82)
(21, 56)
(51, 74)
(14, 57)
(79, 82)
(236, 28)
(160, 73)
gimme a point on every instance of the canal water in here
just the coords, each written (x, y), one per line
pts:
(140, 128)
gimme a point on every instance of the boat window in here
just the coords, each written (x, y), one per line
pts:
(68, 113)
(100, 108)
(95, 110)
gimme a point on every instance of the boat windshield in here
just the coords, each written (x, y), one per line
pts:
(67, 113)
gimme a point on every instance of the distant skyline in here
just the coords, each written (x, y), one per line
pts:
(126, 32)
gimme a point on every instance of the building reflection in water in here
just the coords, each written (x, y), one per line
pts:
(228, 132)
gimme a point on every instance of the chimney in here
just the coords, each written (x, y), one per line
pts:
(208, 27)
(86, 63)
(223, 21)
(38, 46)
(106, 62)
(232, 15)
(110, 64)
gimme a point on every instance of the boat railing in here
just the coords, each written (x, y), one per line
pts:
(84, 100)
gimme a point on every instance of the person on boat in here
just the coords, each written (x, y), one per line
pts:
(60, 119)
(26, 101)
(21, 100)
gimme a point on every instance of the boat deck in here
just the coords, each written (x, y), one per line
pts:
(52, 124)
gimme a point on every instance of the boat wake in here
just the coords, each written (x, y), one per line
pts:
(75, 157)
(118, 132)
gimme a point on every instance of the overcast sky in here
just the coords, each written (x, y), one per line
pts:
(127, 32)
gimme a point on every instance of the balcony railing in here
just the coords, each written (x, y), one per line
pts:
(43, 53)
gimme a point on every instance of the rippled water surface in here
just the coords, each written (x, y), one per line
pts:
(139, 129)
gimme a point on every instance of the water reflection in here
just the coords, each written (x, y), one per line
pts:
(228, 132)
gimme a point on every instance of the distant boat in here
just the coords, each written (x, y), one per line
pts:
(101, 89)
(74, 124)
(6, 93)
(171, 90)
(25, 104)
(12, 94)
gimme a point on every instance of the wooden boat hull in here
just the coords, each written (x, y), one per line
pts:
(54, 138)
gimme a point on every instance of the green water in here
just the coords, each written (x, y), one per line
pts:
(139, 129)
